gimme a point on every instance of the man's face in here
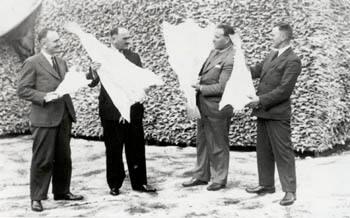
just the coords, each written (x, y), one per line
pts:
(278, 37)
(51, 42)
(122, 39)
(220, 40)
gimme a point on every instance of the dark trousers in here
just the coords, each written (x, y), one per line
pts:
(213, 151)
(274, 145)
(131, 134)
(51, 158)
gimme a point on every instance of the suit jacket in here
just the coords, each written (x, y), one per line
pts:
(38, 77)
(107, 110)
(213, 77)
(277, 81)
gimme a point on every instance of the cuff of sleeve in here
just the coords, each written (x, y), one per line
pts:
(40, 98)
(263, 102)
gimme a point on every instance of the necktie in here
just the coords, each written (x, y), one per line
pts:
(55, 65)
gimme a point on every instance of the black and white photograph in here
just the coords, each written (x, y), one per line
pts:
(175, 108)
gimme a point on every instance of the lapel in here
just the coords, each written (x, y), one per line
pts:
(206, 62)
(45, 64)
(213, 60)
(268, 65)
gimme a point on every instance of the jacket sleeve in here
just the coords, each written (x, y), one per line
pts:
(284, 90)
(26, 85)
(92, 75)
(218, 88)
(256, 70)
(138, 61)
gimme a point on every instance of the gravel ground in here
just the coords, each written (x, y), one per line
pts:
(323, 186)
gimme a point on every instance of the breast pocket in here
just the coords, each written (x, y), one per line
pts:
(213, 74)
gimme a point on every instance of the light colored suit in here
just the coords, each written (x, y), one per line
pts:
(213, 126)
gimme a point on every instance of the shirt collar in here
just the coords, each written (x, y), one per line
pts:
(281, 50)
(223, 50)
(47, 56)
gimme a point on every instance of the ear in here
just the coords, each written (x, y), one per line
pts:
(284, 36)
(227, 39)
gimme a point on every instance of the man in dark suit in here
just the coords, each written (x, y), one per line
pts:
(117, 132)
(51, 120)
(213, 125)
(278, 74)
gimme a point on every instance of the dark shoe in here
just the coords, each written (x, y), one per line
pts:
(261, 190)
(288, 199)
(215, 187)
(114, 192)
(68, 197)
(36, 206)
(145, 188)
(194, 182)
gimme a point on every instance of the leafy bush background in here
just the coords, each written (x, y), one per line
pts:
(320, 101)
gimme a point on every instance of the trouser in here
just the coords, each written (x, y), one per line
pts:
(51, 158)
(213, 153)
(116, 135)
(274, 145)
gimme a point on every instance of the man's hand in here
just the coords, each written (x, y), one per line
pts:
(254, 103)
(51, 96)
(92, 73)
(196, 86)
(122, 120)
(95, 66)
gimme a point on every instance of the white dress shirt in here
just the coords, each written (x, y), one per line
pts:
(281, 50)
(47, 56)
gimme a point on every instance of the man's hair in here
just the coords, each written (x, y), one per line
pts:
(43, 33)
(286, 29)
(228, 30)
(114, 31)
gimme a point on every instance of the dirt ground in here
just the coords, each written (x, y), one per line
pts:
(323, 186)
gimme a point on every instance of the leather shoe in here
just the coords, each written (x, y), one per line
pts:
(288, 199)
(145, 188)
(114, 191)
(36, 206)
(215, 187)
(68, 197)
(261, 190)
(194, 182)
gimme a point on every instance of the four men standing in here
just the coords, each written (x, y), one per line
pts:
(52, 115)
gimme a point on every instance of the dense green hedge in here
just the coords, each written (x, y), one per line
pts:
(320, 102)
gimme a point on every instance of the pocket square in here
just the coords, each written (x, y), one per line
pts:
(218, 66)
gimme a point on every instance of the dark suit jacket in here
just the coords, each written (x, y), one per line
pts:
(277, 81)
(107, 110)
(213, 78)
(37, 77)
